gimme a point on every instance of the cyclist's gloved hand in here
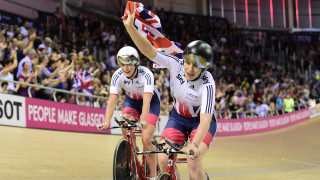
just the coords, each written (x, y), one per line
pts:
(196, 153)
(103, 126)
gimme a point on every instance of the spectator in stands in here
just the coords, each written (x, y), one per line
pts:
(7, 50)
(262, 108)
(6, 74)
(10, 32)
(21, 50)
(233, 106)
(288, 104)
(26, 76)
(47, 43)
(3, 45)
(112, 61)
(313, 93)
(30, 59)
(24, 31)
(46, 78)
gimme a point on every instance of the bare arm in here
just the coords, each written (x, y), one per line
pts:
(35, 82)
(55, 72)
(96, 72)
(111, 106)
(30, 44)
(141, 42)
(109, 111)
(55, 82)
(205, 120)
(67, 68)
(202, 130)
(36, 59)
(13, 66)
(145, 107)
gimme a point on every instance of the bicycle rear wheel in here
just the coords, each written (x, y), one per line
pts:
(164, 176)
(121, 161)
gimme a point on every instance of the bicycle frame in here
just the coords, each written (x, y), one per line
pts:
(171, 165)
(172, 160)
(140, 166)
(135, 166)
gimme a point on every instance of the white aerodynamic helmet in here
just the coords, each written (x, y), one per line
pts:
(128, 55)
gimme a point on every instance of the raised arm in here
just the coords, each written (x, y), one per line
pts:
(141, 42)
(12, 66)
(30, 44)
(55, 72)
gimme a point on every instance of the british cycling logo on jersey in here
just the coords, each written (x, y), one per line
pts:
(179, 77)
(205, 79)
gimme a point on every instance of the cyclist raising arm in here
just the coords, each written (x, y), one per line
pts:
(141, 98)
(193, 89)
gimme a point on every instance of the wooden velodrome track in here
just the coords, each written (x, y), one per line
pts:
(32, 154)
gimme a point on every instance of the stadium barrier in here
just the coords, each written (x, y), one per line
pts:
(35, 113)
(54, 90)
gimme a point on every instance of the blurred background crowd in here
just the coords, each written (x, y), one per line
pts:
(257, 74)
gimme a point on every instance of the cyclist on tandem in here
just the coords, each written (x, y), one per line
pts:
(141, 98)
(193, 90)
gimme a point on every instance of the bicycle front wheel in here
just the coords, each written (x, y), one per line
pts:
(121, 161)
(164, 176)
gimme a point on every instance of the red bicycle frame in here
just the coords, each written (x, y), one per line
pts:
(171, 165)
(140, 166)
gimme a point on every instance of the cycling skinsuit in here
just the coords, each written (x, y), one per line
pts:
(134, 89)
(191, 98)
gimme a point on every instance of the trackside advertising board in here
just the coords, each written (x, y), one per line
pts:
(12, 110)
(61, 116)
(36, 113)
(246, 126)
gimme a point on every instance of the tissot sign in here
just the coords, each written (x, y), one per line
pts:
(12, 110)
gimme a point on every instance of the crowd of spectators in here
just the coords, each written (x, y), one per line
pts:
(249, 83)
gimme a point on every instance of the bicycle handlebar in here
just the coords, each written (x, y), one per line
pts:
(122, 124)
(167, 151)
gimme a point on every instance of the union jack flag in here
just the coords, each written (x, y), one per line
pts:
(83, 82)
(149, 25)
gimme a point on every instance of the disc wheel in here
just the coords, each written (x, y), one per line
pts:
(121, 162)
